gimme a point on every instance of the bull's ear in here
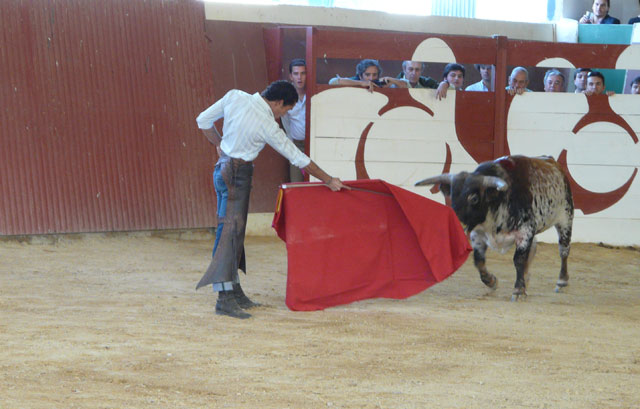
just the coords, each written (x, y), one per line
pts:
(444, 181)
(444, 178)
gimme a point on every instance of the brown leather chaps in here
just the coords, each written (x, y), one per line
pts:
(232, 180)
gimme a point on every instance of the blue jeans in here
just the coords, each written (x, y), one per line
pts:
(222, 194)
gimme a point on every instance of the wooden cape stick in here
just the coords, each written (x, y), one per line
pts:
(295, 185)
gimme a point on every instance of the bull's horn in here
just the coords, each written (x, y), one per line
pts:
(444, 178)
(492, 181)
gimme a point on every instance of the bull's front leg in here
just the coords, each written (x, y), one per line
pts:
(479, 244)
(524, 253)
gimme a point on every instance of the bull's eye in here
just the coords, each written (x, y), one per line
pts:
(473, 199)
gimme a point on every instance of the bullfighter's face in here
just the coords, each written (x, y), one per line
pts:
(278, 108)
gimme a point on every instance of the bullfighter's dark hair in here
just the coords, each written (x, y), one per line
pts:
(636, 80)
(281, 90)
(366, 63)
(296, 62)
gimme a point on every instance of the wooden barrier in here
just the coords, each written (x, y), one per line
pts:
(403, 135)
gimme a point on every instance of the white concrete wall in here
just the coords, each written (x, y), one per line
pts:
(336, 17)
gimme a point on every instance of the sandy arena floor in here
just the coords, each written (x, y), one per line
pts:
(113, 321)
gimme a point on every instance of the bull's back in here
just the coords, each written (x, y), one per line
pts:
(540, 191)
(551, 194)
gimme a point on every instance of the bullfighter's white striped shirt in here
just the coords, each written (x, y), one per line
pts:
(249, 124)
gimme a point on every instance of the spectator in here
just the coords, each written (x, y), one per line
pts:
(453, 77)
(635, 86)
(412, 72)
(553, 81)
(294, 121)
(600, 14)
(580, 79)
(634, 19)
(595, 84)
(369, 75)
(485, 83)
(518, 81)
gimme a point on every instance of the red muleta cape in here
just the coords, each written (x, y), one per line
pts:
(352, 245)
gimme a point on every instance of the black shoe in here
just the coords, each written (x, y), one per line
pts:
(227, 305)
(243, 301)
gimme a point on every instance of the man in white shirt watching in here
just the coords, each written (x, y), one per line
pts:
(484, 84)
(249, 124)
(294, 121)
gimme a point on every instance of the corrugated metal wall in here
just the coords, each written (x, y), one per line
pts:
(97, 108)
(240, 61)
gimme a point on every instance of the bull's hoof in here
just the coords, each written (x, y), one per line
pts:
(560, 285)
(518, 295)
(492, 283)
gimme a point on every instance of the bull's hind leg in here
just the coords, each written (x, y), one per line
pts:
(564, 245)
(525, 250)
(532, 253)
(479, 250)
